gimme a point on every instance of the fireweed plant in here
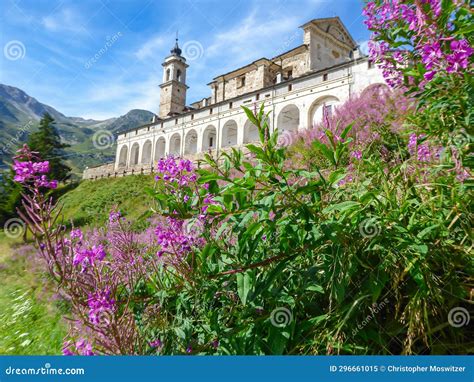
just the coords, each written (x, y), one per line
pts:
(367, 251)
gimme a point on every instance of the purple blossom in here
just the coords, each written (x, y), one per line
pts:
(114, 216)
(412, 143)
(76, 233)
(424, 153)
(357, 154)
(33, 172)
(66, 348)
(87, 257)
(83, 347)
(431, 54)
(156, 343)
(176, 172)
(100, 303)
(459, 58)
(173, 238)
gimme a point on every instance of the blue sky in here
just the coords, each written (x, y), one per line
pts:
(49, 45)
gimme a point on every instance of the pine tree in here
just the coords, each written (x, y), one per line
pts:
(47, 143)
(10, 196)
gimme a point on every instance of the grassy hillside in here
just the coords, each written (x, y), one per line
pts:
(91, 201)
(30, 317)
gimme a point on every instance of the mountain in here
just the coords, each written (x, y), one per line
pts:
(20, 115)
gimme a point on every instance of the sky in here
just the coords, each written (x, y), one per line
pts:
(101, 58)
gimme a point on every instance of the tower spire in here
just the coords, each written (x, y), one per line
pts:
(176, 51)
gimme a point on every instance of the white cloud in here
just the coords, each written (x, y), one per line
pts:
(151, 47)
(66, 19)
(364, 46)
(246, 40)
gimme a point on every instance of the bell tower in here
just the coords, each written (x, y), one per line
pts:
(173, 87)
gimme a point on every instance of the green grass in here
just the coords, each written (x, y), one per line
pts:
(91, 202)
(30, 321)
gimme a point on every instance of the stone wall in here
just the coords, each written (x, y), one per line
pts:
(96, 172)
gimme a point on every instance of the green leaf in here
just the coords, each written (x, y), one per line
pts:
(347, 130)
(341, 207)
(245, 283)
(426, 231)
(277, 339)
(250, 115)
(315, 288)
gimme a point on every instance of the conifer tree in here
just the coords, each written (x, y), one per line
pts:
(47, 143)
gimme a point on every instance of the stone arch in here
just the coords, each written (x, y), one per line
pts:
(250, 132)
(289, 119)
(175, 144)
(190, 142)
(160, 148)
(146, 152)
(320, 107)
(123, 154)
(209, 138)
(134, 154)
(229, 134)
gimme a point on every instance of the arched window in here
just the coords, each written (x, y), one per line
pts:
(229, 134)
(123, 156)
(289, 119)
(178, 75)
(190, 144)
(146, 153)
(168, 74)
(209, 138)
(160, 148)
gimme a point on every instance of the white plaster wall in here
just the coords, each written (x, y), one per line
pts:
(308, 94)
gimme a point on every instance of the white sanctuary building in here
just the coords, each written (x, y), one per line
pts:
(297, 86)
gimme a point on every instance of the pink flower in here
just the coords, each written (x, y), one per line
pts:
(100, 303)
(114, 216)
(156, 344)
(459, 59)
(87, 257)
(76, 233)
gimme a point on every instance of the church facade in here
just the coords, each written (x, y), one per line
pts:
(298, 87)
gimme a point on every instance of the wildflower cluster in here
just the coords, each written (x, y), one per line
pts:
(88, 256)
(80, 347)
(173, 238)
(429, 37)
(100, 304)
(30, 171)
(176, 172)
